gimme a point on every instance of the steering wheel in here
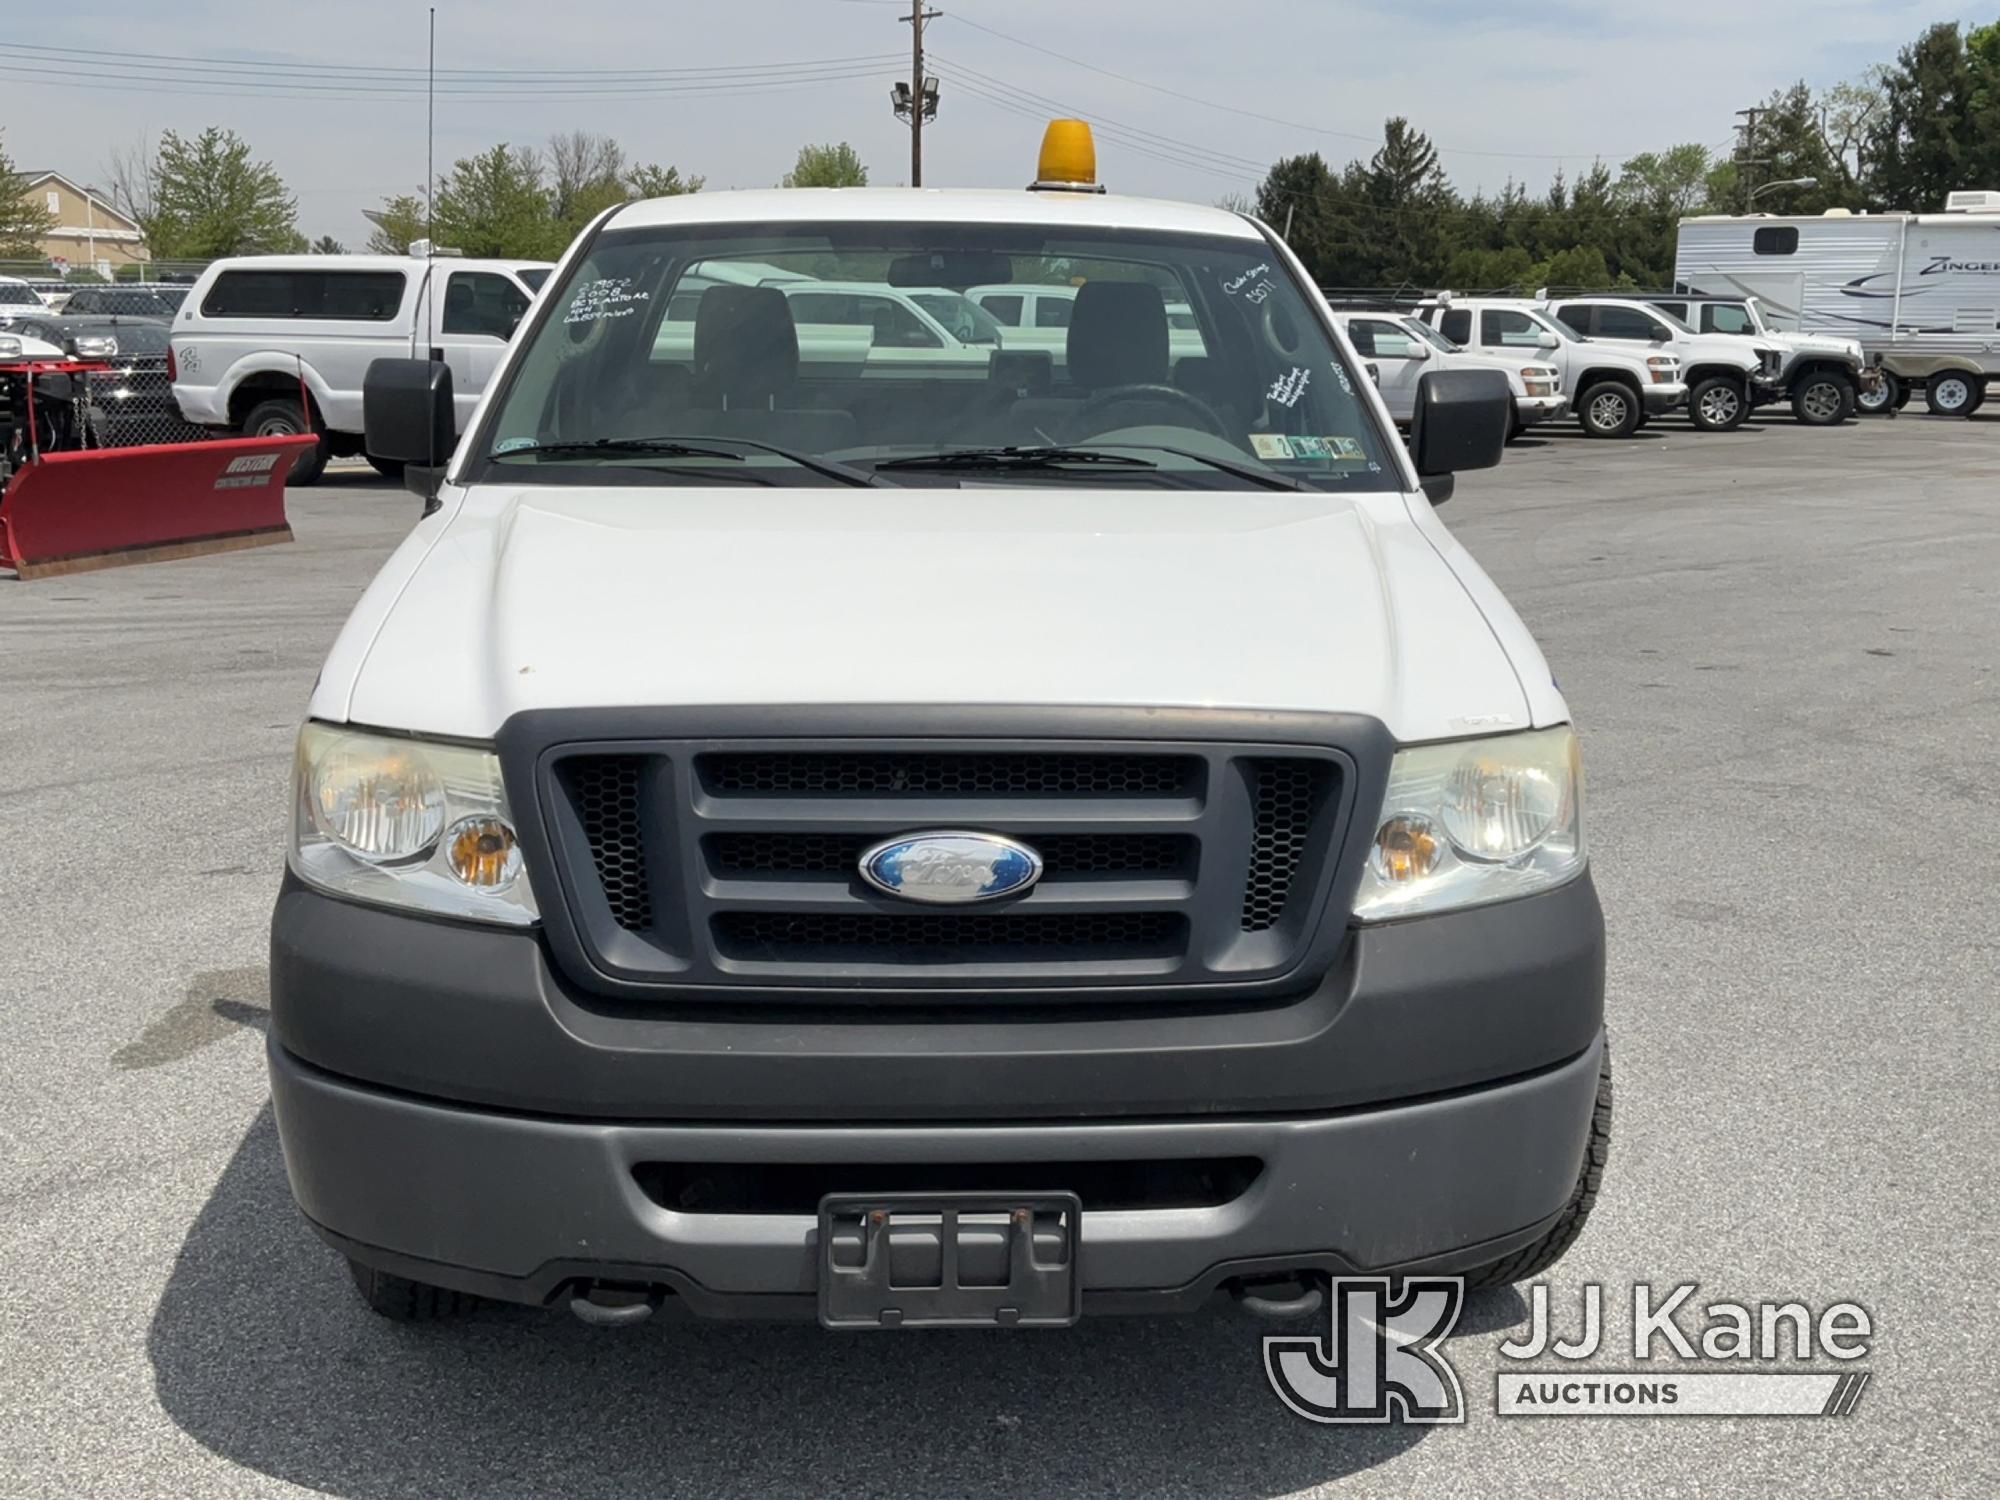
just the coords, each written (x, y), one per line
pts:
(1171, 395)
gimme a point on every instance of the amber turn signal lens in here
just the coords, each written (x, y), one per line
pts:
(1406, 849)
(482, 852)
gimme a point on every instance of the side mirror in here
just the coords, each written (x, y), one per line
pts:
(1662, 334)
(407, 416)
(1461, 422)
(1547, 340)
(1418, 352)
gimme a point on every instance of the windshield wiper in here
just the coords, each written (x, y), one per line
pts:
(1270, 479)
(1015, 458)
(675, 447)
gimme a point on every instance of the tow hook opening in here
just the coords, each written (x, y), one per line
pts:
(610, 1304)
(1280, 1299)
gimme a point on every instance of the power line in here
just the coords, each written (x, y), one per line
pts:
(308, 68)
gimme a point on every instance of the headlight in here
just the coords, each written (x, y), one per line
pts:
(1665, 370)
(407, 823)
(95, 346)
(1473, 821)
(10, 348)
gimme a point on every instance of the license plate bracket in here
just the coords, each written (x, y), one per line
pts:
(949, 1260)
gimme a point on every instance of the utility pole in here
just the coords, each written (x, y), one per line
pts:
(1746, 150)
(917, 100)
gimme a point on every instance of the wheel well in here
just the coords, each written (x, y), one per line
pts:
(1597, 377)
(268, 385)
(1824, 367)
(1705, 372)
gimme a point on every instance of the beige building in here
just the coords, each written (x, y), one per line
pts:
(88, 231)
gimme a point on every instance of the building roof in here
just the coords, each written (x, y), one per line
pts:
(98, 198)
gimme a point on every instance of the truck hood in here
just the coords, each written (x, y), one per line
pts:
(542, 597)
(1812, 343)
(1720, 349)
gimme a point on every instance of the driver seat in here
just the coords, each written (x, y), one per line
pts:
(1118, 336)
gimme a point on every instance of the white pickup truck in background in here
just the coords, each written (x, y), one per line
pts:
(273, 344)
(1401, 349)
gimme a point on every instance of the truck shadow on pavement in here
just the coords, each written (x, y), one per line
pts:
(263, 1354)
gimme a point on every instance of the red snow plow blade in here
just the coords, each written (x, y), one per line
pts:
(67, 512)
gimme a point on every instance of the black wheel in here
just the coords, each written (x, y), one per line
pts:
(1533, 1259)
(286, 418)
(404, 1301)
(1953, 394)
(1822, 399)
(1718, 403)
(388, 468)
(1609, 410)
(1889, 394)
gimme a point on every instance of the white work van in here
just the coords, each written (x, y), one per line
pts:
(1402, 350)
(1613, 392)
(272, 344)
(1919, 292)
(765, 825)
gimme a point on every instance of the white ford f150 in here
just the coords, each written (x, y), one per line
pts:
(1130, 853)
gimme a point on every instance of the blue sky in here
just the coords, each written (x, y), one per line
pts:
(1506, 88)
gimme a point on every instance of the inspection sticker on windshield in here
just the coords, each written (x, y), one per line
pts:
(608, 297)
(1271, 445)
(1310, 447)
(1346, 447)
(1287, 389)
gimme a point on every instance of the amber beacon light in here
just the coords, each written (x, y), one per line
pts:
(1069, 160)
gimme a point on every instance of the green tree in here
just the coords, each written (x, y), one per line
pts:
(211, 199)
(326, 244)
(23, 220)
(397, 222)
(497, 204)
(1926, 141)
(651, 181)
(827, 166)
(1671, 183)
(1404, 208)
(1293, 199)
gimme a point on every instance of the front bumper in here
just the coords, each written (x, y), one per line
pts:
(518, 1207)
(453, 1111)
(1661, 399)
(1530, 411)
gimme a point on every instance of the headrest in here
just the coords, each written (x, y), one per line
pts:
(745, 347)
(1118, 335)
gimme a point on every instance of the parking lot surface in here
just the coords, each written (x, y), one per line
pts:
(1779, 645)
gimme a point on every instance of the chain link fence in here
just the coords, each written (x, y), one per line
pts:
(132, 405)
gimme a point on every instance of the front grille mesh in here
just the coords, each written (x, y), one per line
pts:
(1285, 796)
(942, 937)
(949, 774)
(1063, 855)
(606, 792)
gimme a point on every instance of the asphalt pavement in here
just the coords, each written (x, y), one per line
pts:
(1780, 648)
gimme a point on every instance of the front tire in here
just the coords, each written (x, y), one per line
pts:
(285, 418)
(388, 468)
(1953, 394)
(1823, 399)
(1531, 1260)
(1718, 403)
(401, 1300)
(1609, 410)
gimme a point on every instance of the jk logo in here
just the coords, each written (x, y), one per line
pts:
(1381, 1358)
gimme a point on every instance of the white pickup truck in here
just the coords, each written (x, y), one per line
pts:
(1612, 391)
(1402, 349)
(274, 344)
(1726, 376)
(766, 827)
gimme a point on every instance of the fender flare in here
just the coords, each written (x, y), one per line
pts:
(272, 362)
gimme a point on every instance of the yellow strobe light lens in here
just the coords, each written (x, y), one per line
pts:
(1069, 153)
(482, 852)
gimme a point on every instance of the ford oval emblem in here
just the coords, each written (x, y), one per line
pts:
(951, 868)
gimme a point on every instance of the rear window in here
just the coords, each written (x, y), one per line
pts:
(18, 296)
(340, 296)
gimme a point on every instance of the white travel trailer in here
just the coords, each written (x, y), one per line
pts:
(1920, 292)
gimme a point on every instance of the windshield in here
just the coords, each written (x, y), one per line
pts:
(964, 319)
(19, 296)
(1429, 335)
(778, 342)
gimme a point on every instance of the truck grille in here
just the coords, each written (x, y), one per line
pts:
(721, 865)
